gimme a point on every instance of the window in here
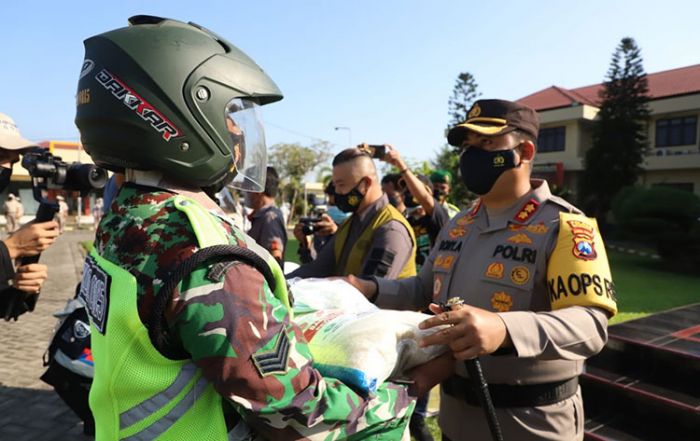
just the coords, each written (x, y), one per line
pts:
(686, 186)
(676, 131)
(552, 139)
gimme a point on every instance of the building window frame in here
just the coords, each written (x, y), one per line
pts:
(552, 139)
(676, 131)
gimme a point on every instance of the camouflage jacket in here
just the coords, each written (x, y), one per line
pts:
(224, 326)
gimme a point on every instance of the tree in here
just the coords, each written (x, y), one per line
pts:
(463, 96)
(619, 137)
(294, 161)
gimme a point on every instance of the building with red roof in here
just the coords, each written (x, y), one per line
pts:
(566, 127)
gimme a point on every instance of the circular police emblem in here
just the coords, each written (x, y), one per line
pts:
(81, 330)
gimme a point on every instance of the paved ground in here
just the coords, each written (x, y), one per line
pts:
(29, 409)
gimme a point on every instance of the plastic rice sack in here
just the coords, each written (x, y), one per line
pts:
(353, 340)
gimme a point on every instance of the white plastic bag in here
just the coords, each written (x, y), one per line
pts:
(353, 340)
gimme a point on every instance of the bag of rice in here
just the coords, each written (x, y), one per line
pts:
(353, 340)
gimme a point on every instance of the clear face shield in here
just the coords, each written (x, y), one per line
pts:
(247, 143)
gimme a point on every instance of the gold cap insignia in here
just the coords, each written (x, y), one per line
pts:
(474, 111)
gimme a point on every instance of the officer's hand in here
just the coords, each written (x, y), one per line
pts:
(30, 278)
(429, 374)
(300, 236)
(367, 287)
(32, 239)
(473, 331)
(326, 226)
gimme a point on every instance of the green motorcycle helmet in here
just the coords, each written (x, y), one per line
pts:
(173, 97)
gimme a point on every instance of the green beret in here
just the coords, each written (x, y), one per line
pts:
(441, 176)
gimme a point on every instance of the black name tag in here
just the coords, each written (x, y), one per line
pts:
(94, 292)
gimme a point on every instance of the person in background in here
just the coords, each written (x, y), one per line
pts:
(323, 230)
(97, 211)
(13, 212)
(442, 185)
(267, 225)
(62, 214)
(376, 239)
(393, 191)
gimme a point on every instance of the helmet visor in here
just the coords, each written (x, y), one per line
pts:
(247, 142)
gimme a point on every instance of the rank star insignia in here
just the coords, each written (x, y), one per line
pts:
(464, 221)
(520, 238)
(501, 302)
(527, 211)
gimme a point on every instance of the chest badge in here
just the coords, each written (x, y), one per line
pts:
(501, 301)
(495, 271)
(444, 261)
(520, 238)
(457, 232)
(520, 275)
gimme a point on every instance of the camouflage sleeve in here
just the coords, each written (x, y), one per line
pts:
(242, 338)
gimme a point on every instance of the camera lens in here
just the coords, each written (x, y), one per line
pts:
(307, 229)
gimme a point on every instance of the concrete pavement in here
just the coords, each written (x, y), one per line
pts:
(29, 408)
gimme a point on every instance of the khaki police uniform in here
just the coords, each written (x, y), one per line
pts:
(541, 265)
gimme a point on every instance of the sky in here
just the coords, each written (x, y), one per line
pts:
(382, 70)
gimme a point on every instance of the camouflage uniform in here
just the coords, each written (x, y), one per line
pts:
(223, 326)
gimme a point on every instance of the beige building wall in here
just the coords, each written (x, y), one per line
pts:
(668, 165)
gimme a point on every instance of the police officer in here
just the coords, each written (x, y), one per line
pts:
(190, 323)
(534, 276)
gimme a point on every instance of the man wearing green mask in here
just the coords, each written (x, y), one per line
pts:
(533, 274)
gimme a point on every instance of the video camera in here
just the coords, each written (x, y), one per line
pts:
(49, 172)
(309, 224)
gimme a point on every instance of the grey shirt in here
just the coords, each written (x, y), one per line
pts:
(391, 249)
(499, 262)
(268, 230)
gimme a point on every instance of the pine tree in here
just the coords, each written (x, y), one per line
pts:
(463, 96)
(619, 138)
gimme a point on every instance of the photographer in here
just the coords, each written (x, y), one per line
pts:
(423, 211)
(32, 238)
(322, 228)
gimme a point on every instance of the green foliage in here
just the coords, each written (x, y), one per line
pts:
(619, 139)
(664, 217)
(463, 96)
(293, 162)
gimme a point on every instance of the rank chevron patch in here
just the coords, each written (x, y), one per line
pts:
(274, 361)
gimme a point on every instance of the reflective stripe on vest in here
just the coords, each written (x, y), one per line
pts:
(160, 426)
(157, 402)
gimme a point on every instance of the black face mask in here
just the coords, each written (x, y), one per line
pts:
(5, 175)
(439, 193)
(350, 201)
(409, 201)
(480, 168)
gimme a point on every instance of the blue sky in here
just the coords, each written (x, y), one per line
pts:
(385, 69)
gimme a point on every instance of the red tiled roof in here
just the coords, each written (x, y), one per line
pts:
(664, 84)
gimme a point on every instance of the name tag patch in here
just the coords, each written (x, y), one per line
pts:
(94, 292)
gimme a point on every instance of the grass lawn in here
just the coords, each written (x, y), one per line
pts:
(643, 287)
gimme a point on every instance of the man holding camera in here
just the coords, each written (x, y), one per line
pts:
(322, 228)
(267, 221)
(376, 240)
(534, 276)
(30, 239)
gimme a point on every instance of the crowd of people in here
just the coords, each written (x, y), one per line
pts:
(189, 313)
